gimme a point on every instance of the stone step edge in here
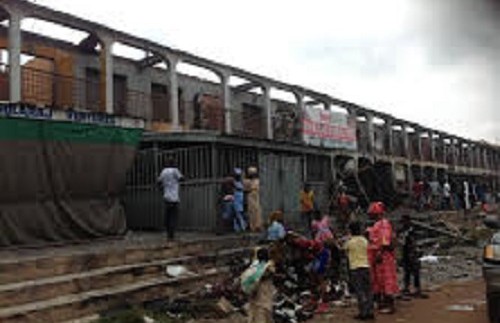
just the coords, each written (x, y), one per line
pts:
(134, 247)
(87, 319)
(113, 269)
(105, 292)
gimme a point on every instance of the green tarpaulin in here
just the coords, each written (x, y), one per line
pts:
(62, 181)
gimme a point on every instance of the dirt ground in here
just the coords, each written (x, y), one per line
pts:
(432, 310)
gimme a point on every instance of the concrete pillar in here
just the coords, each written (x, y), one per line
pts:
(393, 173)
(300, 107)
(106, 58)
(485, 158)
(390, 135)
(432, 146)
(226, 90)
(460, 152)
(411, 179)
(453, 152)
(371, 133)
(480, 157)
(268, 110)
(445, 150)
(15, 93)
(419, 156)
(406, 141)
(174, 91)
(470, 155)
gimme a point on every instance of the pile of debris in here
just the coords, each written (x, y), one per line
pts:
(449, 242)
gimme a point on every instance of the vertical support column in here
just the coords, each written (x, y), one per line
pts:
(432, 146)
(390, 149)
(485, 158)
(477, 153)
(371, 133)
(420, 156)
(445, 150)
(411, 179)
(470, 155)
(393, 174)
(268, 109)
(406, 142)
(454, 151)
(460, 152)
(15, 57)
(301, 107)
(106, 59)
(226, 90)
(174, 91)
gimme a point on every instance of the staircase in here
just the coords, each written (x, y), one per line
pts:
(63, 284)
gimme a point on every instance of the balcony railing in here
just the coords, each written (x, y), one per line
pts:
(47, 88)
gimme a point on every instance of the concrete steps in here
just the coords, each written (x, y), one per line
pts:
(72, 286)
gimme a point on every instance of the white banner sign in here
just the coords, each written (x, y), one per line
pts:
(329, 129)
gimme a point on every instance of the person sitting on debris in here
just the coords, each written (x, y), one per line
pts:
(357, 252)
(410, 258)
(320, 227)
(383, 265)
(316, 256)
(276, 230)
(256, 281)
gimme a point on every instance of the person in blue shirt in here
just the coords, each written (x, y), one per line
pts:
(239, 222)
(276, 230)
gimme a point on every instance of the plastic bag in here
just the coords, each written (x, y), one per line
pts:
(251, 277)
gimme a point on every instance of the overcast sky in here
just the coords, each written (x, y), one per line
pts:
(433, 62)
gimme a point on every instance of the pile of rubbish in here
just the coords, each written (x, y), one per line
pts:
(449, 245)
(296, 298)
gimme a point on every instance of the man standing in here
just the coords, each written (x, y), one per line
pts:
(307, 206)
(169, 179)
(383, 259)
(410, 258)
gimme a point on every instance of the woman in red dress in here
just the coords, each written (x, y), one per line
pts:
(382, 259)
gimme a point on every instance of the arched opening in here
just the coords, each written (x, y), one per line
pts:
(201, 104)
(286, 116)
(398, 141)
(380, 131)
(47, 63)
(248, 115)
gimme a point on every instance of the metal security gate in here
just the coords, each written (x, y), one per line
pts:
(281, 182)
(143, 199)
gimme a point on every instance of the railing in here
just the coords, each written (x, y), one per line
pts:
(46, 88)
(249, 122)
(43, 87)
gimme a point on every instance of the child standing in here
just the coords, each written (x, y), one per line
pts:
(357, 252)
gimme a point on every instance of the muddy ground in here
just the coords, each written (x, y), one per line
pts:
(466, 294)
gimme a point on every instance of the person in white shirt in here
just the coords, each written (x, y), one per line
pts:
(169, 180)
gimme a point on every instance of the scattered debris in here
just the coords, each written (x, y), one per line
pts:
(177, 271)
(460, 308)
